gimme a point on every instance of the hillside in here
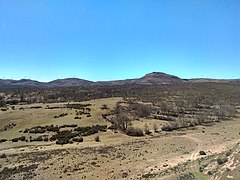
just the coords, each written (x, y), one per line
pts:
(154, 78)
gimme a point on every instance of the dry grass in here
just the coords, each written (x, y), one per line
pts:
(116, 156)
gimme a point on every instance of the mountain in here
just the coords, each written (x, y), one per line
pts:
(154, 78)
(159, 78)
(21, 82)
(70, 82)
(201, 80)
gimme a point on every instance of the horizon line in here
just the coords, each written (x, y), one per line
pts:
(105, 80)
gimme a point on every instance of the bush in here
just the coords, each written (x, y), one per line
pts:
(187, 176)
(22, 138)
(35, 107)
(228, 153)
(61, 115)
(131, 131)
(121, 121)
(141, 110)
(104, 106)
(68, 125)
(155, 128)
(15, 140)
(62, 141)
(97, 139)
(88, 130)
(39, 138)
(168, 127)
(42, 129)
(77, 139)
(202, 153)
(64, 135)
(37, 130)
(222, 160)
(25, 130)
(210, 173)
(77, 106)
(146, 129)
(3, 140)
(112, 127)
(3, 155)
(77, 117)
(52, 128)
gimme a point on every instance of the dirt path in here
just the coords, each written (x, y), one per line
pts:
(195, 153)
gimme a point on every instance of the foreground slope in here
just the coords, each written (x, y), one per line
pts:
(160, 155)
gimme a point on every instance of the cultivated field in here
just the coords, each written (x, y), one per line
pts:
(107, 153)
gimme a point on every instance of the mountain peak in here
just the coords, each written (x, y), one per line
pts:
(156, 74)
(70, 82)
(159, 78)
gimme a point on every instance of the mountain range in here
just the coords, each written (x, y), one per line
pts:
(154, 78)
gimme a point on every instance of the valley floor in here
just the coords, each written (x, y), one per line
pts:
(117, 156)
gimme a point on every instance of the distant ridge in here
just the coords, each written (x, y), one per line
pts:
(154, 78)
(199, 80)
(159, 78)
(70, 82)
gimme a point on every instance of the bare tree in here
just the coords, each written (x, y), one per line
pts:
(141, 110)
(121, 121)
(146, 129)
(155, 127)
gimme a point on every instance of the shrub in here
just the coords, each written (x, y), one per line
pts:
(187, 176)
(77, 106)
(88, 130)
(62, 141)
(63, 135)
(35, 107)
(42, 129)
(222, 160)
(22, 138)
(61, 115)
(201, 169)
(131, 131)
(52, 128)
(15, 140)
(210, 173)
(121, 121)
(3, 140)
(26, 131)
(104, 106)
(3, 155)
(112, 127)
(37, 130)
(68, 125)
(155, 127)
(228, 153)
(77, 117)
(141, 110)
(202, 153)
(146, 129)
(77, 139)
(167, 127)
(88, 109)
(97, 139)
(39, 138)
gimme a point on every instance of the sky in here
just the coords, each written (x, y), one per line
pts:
(118, 39)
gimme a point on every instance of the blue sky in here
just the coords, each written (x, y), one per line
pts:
(118, 39)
